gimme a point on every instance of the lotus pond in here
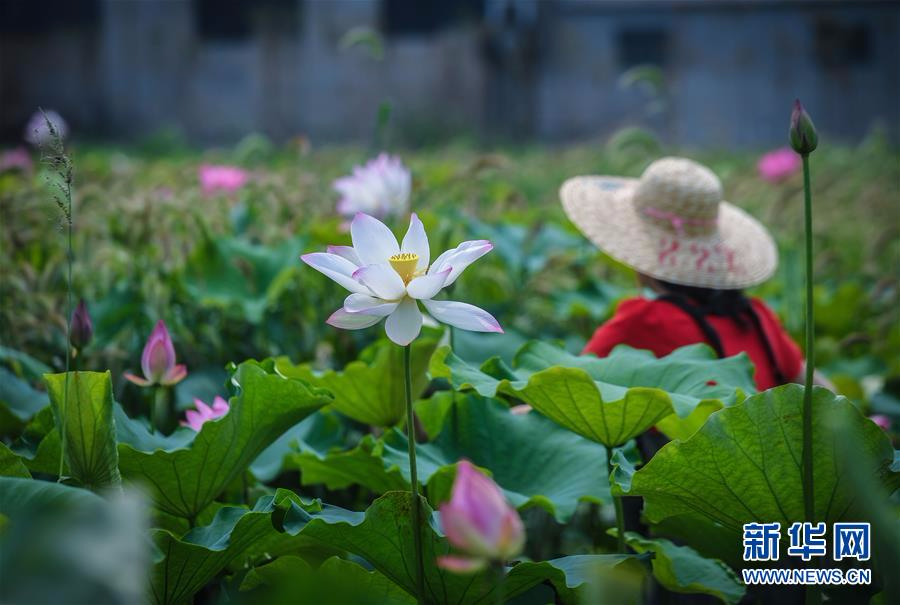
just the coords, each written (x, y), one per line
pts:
(290, 480)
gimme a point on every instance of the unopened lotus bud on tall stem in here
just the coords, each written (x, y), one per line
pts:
(804, 140)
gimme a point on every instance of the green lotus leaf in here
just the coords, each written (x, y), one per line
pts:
(19, 402)
(337, 469)
(11, 465)
(432, 412)
(366, 535)
(580, 579)
(235, 537)
(184, 565)
(683, 569)
(184, 479)
(613, 399)
(535, 461)
(38, 446)
(572, 398)
(320, 431)
(228, 272)
(743, 465)
(135, 433)
(371, 389)
(23, 364)
(64, 544)
(19, 496)
(86, 418)
(291, 579)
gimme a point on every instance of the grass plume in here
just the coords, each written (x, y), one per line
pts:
(54, 156)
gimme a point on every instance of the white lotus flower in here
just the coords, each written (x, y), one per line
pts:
(387, 279)
(381, 187)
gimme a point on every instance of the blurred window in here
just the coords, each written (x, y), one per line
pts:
(645, 46)
(411, 17)
(839, 45)
(35, 17)
(238, 19)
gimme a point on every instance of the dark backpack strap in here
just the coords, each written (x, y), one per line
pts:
(770, 352)
(712, 337)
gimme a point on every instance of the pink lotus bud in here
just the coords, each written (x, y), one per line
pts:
(81, 330)
(478, 521)
(204, 413)
(804, 138)
(778, 165)
(158, 360)
(882, 421)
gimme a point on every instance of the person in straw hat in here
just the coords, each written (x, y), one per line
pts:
(697, 253)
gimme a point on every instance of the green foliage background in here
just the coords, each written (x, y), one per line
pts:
(223, 271)
(300, 493)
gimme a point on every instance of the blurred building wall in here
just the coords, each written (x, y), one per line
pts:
(722, 72)
(729, 70)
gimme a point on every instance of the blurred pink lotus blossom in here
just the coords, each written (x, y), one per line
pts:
(38, 133)
(196, 418)
(226, 179)
(778, 165)
(380, 188)
(16, 159)
(158, 360)
(479, 522)
(882, 421)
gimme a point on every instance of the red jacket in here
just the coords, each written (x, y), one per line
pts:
(662, 327)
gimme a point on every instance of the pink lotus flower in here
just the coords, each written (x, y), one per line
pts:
(778, 165)
(16, 159)
(478, 521)
(197, 418)
(158, 361)
(38, 133)
(389, 280)
(381, 188)
(882, 421)
(221, 178)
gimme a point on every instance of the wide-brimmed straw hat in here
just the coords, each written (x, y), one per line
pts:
(672, 224)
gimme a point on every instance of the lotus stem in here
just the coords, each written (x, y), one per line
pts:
(500, 589)
(64, 413)
(808, 494)
(414, 479)
(157, 409)
(813, 594)
(617, 503)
